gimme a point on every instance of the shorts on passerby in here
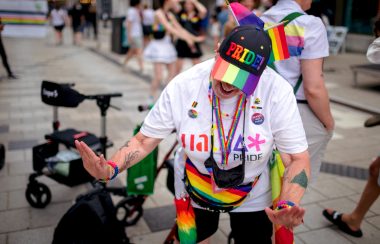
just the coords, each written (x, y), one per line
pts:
(137, 42)
(247, 227)
(147, 30)
(59, 28)
(78, 28)
(317, 138)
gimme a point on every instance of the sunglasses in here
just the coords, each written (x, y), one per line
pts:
(226, 178)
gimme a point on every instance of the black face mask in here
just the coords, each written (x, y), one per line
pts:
(226, 178)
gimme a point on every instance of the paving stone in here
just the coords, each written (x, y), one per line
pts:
(49, 216)
(20, 168)
(356, 185)
(16, 220)
(21, 144)
(162, 197)
(332, 189)
(3, 238)
(15, 156)
(312, 196)
(40, 236)
(375, 208)
(219, 237)
(140, 228)
(375, 221)
(16, 199)
(10, 183)
(323, 236)
(313, 217)
(301, 228)
(3, 200)
(156, 237)
(4, 128)
(224, 226)
(160, 218)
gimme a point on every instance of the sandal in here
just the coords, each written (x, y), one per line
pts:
(336, 219)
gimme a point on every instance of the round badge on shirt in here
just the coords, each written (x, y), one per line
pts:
(257, 118)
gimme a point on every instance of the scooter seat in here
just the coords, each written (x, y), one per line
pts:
(68, 137)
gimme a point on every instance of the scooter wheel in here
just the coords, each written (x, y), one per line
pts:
(129, 210)
(38, 195)
(2, 156)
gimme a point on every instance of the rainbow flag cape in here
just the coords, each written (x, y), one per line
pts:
(279, 43)
(187, 230)
(282, 235)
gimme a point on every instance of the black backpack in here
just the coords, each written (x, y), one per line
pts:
(91, 220)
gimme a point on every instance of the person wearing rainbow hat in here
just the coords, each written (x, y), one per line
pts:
(228, 113)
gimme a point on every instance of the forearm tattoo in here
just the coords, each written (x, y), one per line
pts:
(125, 145)
(301, 179)
(129, 158)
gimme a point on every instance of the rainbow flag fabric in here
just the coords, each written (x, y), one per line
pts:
(279, 44)
(277, 169)
(244, 16)
(187, 230)
(295, 38)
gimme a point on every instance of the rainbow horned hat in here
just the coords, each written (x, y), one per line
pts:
(243, 56)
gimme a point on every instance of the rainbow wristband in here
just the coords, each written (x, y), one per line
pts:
(115, 172)
(284, 204)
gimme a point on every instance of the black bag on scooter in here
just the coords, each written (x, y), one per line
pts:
(91, 220)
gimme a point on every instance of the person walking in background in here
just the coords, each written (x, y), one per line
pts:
(77, 17)
(161, 51)
(58, 18)
(350, 223)
(4, 55)
(134, 33)
(147, 21)
(308, 45)
(190, 18)
(215, 31)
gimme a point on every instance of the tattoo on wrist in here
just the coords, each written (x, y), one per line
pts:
(301, 179)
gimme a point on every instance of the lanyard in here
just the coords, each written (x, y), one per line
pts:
(225, 142)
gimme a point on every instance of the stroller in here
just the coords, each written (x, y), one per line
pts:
(64, 166)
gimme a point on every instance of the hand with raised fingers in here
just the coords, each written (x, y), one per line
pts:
(95, 165)
(288, 217)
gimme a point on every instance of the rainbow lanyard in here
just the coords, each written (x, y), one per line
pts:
(225, 142)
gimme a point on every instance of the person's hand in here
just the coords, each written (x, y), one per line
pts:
(95, 165)
(288, 217)
(329, 125)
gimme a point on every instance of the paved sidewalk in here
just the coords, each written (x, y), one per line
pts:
(24, 120)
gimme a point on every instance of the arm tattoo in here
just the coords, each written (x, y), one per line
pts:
(301, 179)
(130, 157)
(125, 145)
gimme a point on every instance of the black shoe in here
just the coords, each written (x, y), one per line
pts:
(12, 77)
(372, 121)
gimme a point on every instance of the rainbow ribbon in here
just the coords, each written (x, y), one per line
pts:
(187, 230)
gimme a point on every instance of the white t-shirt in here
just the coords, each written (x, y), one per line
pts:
(373, 52)
(272, 118)
(306, 37)
(148, 16)
(134, 18)
(58, 17)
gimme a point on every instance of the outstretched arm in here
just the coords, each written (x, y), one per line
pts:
(132, 152)
(295, 181)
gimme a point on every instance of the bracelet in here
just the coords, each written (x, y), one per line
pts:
(284, 204)
(115, 172)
